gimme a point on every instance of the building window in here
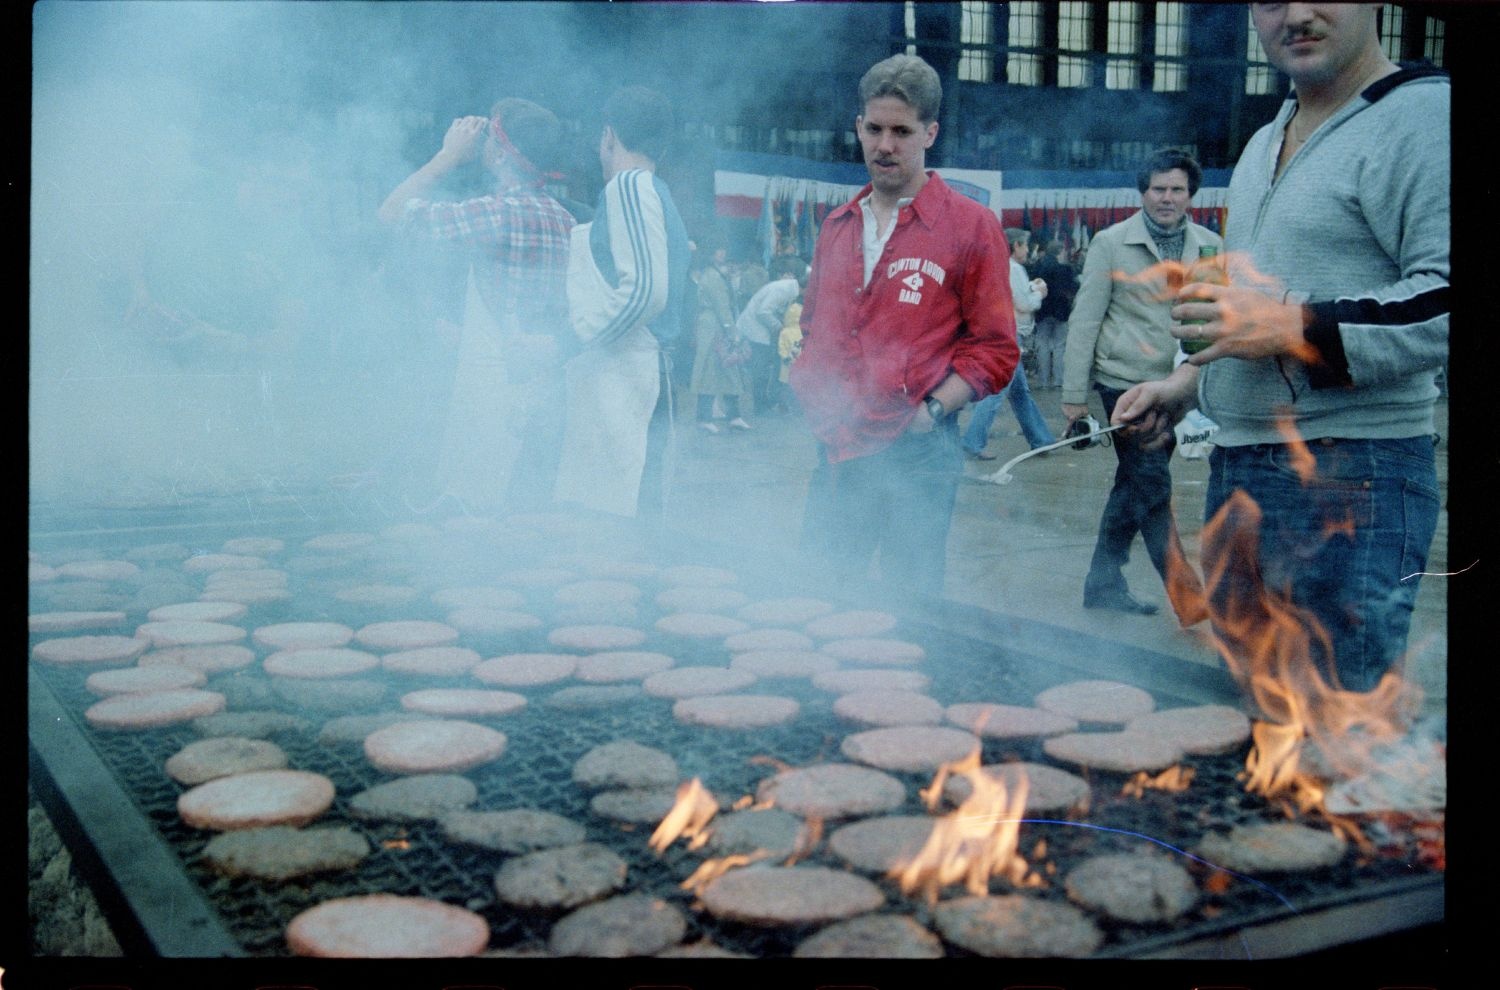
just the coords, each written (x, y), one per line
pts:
(1260, 78)
(910, 12)
(1392, 20)
(1023, 67)
(976, 33)
(1432, 44)
(1169, 73)
(1075, 25)
(1124, 39)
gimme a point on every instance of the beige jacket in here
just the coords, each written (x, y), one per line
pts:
(1117, 333)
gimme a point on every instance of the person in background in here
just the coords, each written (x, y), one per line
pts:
(1052, 318)
(503, 428)
(760, 324)
(1027, 296)
(719, 364)
(906, 317)
(1119, 336)
(789, 345)
(628, 298)
(1324, 349)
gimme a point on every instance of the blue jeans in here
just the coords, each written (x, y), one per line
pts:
(898, 501)
(1027, 414)
(1346, 545)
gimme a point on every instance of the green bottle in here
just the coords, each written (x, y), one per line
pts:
(1208, 268)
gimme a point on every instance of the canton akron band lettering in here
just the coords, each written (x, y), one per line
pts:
(914, 282)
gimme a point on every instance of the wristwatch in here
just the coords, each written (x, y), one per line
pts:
(934, 408)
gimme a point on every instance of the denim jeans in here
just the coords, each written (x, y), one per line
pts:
(1348, 544)
(898, 501)
(977, 434)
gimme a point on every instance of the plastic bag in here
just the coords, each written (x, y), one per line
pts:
(1195, 435)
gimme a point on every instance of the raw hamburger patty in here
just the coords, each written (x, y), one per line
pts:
(596, 638)
(1017, 926)
(587, 697)
(198, 612)
(700, 625)
(1008, 721)
(876, 651)
(255, 546)
(151, 709)
(204, 563)
(628, 925)
(330, 694)
(877, 936)
(433, 746)
(90, 649)
(520, 830)
(689, 682)
(99, 570)
(1135, 888)
(320, 662)
(561, 877)
(783, 663)
(767, 639)
(850, 681)
(879, 845)
(620, 665)
(183, 633)
(251, 725)
(56, 622)
(597, 592)
(338, 542)
(385, 926)
(1048, 789)
(888, 708)
(849, 625)
(625, 763)
(479, 621)
(302, 635)
(380, 595)
(420, 797)
(770, 829)
(1122, 752)
(208, 759)
(598, 614)
(785, 611)
(475, 703)
(701, 599)
(638, 805)
(833, 790)
(1199, 729)
(912, 748)
(1272, 847)
(213, 659)
(735, 711)
(1109, 702)
(790, 895)
(256, 799)
(280, 852)
(134, 680)
(410, 634)
(526, 669)
(354, 728)
(432, 661)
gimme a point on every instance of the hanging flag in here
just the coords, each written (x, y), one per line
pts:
(766, 237)
(1026, 216)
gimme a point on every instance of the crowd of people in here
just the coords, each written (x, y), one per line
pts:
(583, 330)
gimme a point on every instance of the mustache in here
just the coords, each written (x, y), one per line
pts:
(1302, 34)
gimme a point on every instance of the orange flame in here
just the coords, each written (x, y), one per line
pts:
(711, 869)
(808, 837)
(975, 842)
(687, 817)
(1174, 778)
(1302, 461)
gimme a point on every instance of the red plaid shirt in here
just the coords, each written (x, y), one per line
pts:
(518, 244)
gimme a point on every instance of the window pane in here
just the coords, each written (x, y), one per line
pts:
(1124, 38)
(1259, 77)
(1392, 18)
(911, 27)
(1171, 43)
(1024, 68)
(976, 28)
(1074, 31)
(1432, 48)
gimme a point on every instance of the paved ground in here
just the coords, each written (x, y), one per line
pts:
(1020, 549)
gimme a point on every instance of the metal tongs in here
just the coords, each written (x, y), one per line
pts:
(1002, 475)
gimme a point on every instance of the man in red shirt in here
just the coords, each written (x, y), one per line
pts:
(907, 317)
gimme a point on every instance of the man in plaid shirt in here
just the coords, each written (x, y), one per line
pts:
(502, 438)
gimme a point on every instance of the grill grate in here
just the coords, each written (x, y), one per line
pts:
(544, 743)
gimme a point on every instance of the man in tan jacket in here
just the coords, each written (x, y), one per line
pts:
(1118, 337)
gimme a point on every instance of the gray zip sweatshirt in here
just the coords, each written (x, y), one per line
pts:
(1358, 226)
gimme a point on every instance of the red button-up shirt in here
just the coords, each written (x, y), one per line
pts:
(938, 302)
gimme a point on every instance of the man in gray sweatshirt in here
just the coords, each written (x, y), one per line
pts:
(1325, 347)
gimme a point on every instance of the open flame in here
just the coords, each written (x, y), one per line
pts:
(1175, 778)
(974, 843)
(711, 869)
(1310, 731)
(688, 817)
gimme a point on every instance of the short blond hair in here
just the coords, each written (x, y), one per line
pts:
(909, 79)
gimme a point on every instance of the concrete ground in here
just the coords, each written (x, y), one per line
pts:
(1020, 549)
